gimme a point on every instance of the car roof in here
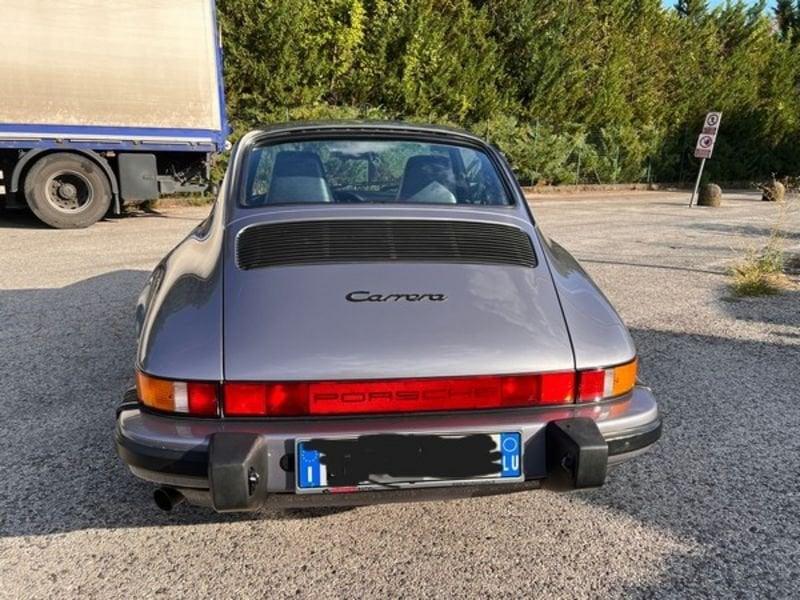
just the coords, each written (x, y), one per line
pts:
(367, 126)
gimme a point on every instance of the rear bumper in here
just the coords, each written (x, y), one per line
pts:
(563, 447)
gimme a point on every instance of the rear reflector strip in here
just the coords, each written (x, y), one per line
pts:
(291, 399)
(320, 398)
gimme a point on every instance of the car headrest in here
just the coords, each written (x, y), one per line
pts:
(298, 177)
(428, 178)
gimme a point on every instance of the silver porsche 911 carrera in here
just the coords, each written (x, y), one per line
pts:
(369, 314)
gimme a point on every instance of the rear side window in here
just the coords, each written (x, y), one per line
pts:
(371, 171)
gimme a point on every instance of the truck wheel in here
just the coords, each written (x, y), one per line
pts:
(67, 191)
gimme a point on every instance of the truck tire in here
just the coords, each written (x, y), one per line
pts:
(67, 191)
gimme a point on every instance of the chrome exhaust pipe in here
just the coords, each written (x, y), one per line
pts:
(167, 498)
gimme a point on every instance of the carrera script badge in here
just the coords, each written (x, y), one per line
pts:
(365, 296)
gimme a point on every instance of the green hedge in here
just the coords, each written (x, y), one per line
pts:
(573, 91)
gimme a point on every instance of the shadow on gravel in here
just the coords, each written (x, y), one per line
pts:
(737, 230)
(784, 310)
(23, 218)
(66, 357)
(20, 218)
(725, 474)
(591, 261)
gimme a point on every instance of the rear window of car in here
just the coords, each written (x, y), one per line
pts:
(371, 171)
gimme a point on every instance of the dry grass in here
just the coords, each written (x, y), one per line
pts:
(760, 274)
(763, 272)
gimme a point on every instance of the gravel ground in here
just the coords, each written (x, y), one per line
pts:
(713, 510)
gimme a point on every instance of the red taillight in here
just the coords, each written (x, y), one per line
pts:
(397, 395)
(202, 399)
(611, 382)
(591, 385)
(558, 388)
(265, 399)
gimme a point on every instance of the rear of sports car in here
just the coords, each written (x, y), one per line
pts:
(371, 315)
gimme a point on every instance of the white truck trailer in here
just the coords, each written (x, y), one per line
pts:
(104, 103)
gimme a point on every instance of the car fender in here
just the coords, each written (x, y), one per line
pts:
(599, 337)
(179, 311)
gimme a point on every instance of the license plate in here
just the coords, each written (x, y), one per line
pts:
(386, 461)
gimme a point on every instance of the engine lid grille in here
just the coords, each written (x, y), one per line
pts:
(367, 240)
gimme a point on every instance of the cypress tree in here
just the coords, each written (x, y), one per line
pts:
(786, 15)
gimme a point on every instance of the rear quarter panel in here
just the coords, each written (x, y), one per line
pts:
(179, 313)
(599, 337)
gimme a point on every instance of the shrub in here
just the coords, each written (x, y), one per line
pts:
(760, 273)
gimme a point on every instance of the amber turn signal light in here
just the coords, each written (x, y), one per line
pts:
(194, 398)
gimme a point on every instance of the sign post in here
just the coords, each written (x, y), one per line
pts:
(697, 183)
(705, 146)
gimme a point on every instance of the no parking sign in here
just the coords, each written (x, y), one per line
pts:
(705, 146)
(705, 141)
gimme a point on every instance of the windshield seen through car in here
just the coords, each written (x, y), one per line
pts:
(371, 171)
